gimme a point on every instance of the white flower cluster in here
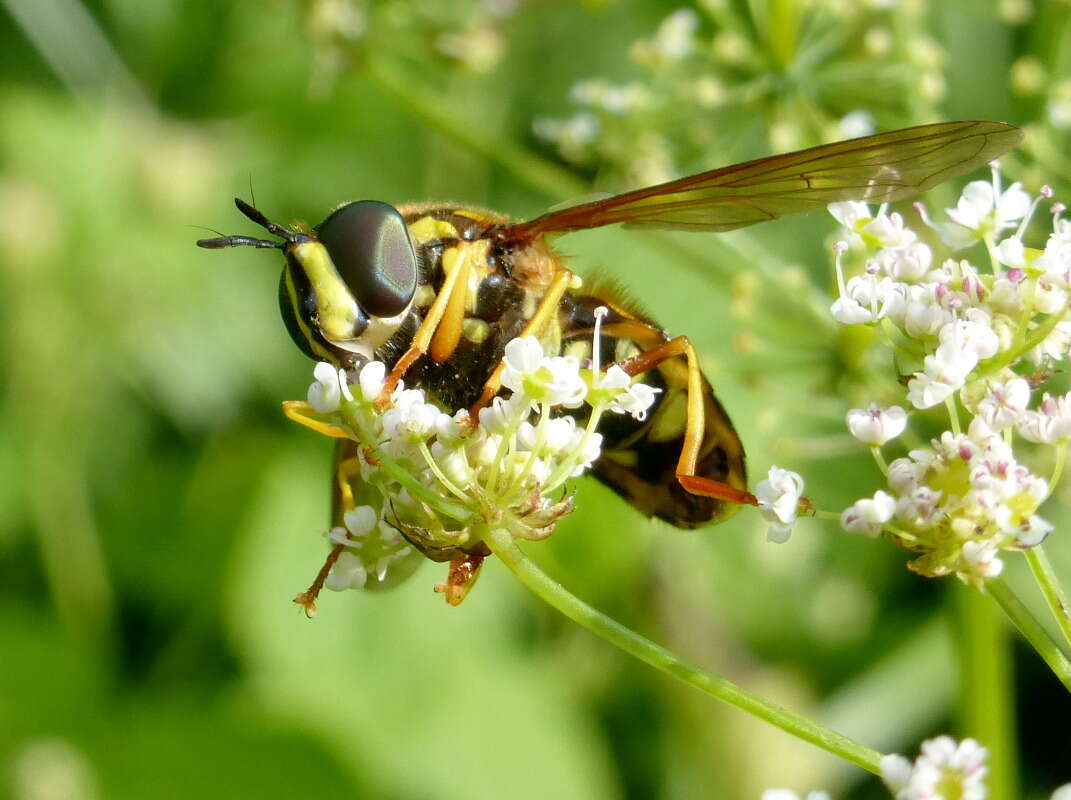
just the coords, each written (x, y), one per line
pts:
(428, 476)
(959, 323)
(958, 502)
(960, 332)
(944, 769)
(709, 56)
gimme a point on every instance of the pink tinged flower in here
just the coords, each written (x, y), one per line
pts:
(921, 508)
(979, 562)
(1062, 792)
(1004, 404)
(1050, 423)
(905, 475)
(1033, 531)
(865, 298)
(875, 426)
(779, 496)
(868, 515)
(895, 772)
(943, 373)
(943, 771)
(325, 394)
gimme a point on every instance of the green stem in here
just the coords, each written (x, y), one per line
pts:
(953, 414)
(1050, 586)
(1058, 467)
(1040, 333)
(503, 546)
(879, 459)
(986, 705)
(1031, 629)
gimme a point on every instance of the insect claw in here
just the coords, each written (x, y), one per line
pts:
(307, 598)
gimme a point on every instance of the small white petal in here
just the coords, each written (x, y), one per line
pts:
(895, 771)
(361, 520)
(874, 425)
(325, 394)
(371, 379)
(867, 516)
(849, 312)
(347, 573)
(849, 213)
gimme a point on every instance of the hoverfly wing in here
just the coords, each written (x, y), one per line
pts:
(872, 169)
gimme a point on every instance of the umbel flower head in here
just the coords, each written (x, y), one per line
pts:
(430, 480)
(984, 336)
(944, 769)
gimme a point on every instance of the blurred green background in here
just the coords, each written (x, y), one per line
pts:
(157, 513)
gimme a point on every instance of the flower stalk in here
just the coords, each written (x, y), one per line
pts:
(1051, 589)
(549, 590)
(1032, 630)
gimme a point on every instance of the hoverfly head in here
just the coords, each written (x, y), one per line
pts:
(347, 283)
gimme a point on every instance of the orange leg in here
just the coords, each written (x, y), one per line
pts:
(694, 427)
(457, 263)
(548, 306)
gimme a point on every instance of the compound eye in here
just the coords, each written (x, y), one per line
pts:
(370, 246)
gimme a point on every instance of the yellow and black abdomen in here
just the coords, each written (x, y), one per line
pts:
(640, 457)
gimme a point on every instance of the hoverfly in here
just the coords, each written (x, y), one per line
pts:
(436, 291)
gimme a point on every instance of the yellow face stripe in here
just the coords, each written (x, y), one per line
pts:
(306, 331)
(336, 311)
